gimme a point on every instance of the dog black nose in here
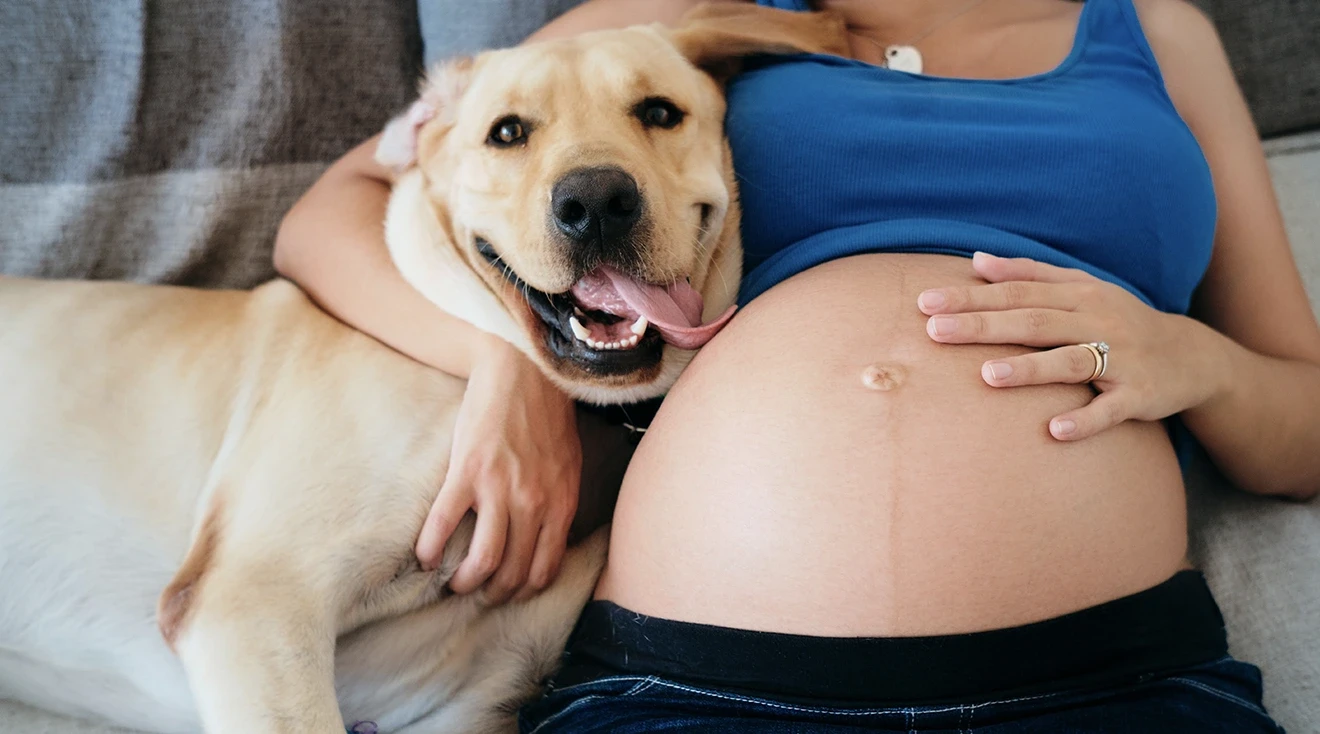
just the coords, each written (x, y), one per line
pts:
(600, 204)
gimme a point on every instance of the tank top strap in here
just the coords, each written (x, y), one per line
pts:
(800, 5)
(1112, 28)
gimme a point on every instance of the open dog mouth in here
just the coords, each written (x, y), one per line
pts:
(612, 323)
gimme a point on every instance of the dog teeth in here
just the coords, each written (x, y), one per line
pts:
(580, 331)
(628, 343)
(583, 334)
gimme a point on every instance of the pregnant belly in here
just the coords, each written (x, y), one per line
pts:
(824, 468)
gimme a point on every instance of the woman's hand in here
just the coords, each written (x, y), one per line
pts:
(1159, 364)
(516, 463)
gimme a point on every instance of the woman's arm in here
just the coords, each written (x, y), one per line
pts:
(332, 244)
(1263, 424)
(510, 461)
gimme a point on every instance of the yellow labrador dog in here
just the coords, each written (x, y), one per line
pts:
(209, 500)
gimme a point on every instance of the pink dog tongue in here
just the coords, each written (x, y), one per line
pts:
(674, 310)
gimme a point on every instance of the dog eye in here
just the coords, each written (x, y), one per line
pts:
(658, 112)
(507, 131)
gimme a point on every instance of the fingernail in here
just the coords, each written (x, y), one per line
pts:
(930, 300)
(1064, 427)
(1000, 370)
(942, 326)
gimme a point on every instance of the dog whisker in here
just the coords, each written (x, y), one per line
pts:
(701, 248)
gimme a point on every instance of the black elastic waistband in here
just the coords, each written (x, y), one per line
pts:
(1169, 627)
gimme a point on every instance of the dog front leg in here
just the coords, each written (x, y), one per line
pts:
(259, 654)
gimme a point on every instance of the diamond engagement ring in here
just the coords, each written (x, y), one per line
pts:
(1099, 350)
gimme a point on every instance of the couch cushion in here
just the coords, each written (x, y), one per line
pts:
(460, 27)
(1295, 166)
(164, 141)
(1275, 49)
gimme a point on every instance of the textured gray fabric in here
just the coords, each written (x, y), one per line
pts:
(1274, 46)
(209, 227)
(459, 27)
(107, 102)
(1295, 166)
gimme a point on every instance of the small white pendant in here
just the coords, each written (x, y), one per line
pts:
(903, 58)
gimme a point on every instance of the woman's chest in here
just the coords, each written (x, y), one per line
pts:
(1098, 167)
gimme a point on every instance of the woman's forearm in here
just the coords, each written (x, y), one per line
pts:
(1262, 427)
(332, 245)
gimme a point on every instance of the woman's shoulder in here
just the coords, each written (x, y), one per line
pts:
(1192, 60)
(1179, 33)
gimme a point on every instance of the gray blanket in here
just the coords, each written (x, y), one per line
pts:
(163, 141)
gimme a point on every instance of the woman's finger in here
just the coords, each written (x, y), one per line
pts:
(524, 527)
(486, 551)
(1106, 411)
(1071, 364)
(999, 269)
(1032, 327)
(446, 513)
(1013, 294)
(549, 555)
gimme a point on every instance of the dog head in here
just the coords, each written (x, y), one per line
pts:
(576, 197)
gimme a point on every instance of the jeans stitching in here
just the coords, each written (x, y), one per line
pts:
(598, 681)
(841, 712)
(1220, 694)
(563, 712)
(643, 684)
(770, 704)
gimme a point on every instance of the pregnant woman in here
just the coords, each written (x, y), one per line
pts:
(923, 480)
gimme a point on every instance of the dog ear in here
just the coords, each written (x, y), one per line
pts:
(440, 92)
(715, 37)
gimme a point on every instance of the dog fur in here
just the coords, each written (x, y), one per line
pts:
(249, 475)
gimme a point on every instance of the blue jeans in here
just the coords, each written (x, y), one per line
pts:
(1219, 697)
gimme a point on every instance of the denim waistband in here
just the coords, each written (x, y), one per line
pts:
(1170, 626)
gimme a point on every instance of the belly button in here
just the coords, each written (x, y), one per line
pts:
(879, 377)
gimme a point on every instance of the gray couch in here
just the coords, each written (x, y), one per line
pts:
(163, 141)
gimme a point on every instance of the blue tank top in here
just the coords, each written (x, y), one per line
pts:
(1086, 166)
